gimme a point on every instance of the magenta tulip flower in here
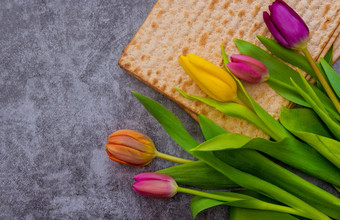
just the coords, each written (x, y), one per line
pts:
(247, 68)
(155, 185)
(286, 26)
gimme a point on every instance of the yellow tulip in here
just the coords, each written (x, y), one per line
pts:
(214, 81)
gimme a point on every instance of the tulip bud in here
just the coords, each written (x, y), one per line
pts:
(130, 147)
(155, 185)
(247, 68)
(286, 26)
(213, 80)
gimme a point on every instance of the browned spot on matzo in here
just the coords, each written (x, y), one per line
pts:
(212, 4)
(203, 39)
(230, 31)
(231, 12)
(241, 12)
(160, 13)
(154, 25)
(185, 50)
(325, 9)
(226, 4)
(255, 10)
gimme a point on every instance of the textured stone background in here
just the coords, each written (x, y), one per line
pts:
(61, 95)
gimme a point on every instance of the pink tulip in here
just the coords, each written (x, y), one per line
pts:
(155, 185)
(247, 68)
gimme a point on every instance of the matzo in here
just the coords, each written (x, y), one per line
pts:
(333, 40)
(336, 53)
(176, 27)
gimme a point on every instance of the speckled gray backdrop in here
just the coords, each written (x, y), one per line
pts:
(61, 94)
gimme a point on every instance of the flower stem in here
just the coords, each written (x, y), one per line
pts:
(172, 158)
(233, 201)
(322, 80)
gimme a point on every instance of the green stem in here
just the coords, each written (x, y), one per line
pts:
(172, 158)
(322, 80)
(261, 205)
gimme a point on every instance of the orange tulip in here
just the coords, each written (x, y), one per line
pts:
(130, 147)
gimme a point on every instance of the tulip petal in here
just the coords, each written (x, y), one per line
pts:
(112, 157)
(130, 142)
(129, 155)
(153, 176)
(253, 63)
(292, 12)
(273, 29)
(209, 82)
(244, 72)
(290, 27)
(154, 189)
(196, 75)
(155, 185)
(133, 134)
(210, 68)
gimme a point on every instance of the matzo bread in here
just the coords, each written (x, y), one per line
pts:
(176, 27)
(336, 53)
(332, 40)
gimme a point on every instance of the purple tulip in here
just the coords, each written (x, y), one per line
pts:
(155, 185)
(247, 68)
(286, 25)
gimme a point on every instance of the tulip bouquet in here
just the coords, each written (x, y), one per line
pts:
(306, 138)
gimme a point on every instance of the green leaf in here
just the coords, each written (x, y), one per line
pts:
(224, 55)
(237, 213)
(317, 106)
(199, 203)
(291, 57)
(209, 128)
(329, 56)
(288, 92)
(322, 71)
(246, 214)
(200, 175)
(231, 109)
(305, 119)
(223, 141)
(333, 77)
(288, 55)
(311, 93)
(280, 72)
(254, 163)
(308, 128)
(328, 147)
(171, 124)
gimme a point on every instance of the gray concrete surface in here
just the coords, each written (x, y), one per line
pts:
(61, 95)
